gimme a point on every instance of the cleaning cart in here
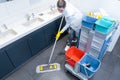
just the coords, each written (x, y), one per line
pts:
(80, 63)
(95, 37)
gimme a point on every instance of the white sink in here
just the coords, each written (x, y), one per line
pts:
(7, 35)
(33, 23)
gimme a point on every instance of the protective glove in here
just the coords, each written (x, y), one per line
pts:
(58, 35)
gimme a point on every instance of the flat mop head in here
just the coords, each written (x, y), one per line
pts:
(47, 68)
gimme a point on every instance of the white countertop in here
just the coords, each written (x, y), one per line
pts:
(22, 30)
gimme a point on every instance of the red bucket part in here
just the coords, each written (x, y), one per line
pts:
(73, 55)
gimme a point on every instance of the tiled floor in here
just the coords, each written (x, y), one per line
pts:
(109, 70)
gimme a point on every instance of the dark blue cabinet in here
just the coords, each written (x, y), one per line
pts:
(58, 21)
(19, 52)
(5, 64)
(44, 36)
(37, 41)
(50, 32)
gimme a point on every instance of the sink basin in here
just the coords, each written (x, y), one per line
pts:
(33, 23)
(49, 14)
(7, 35)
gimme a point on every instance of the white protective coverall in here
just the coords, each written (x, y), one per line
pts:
(73, 17)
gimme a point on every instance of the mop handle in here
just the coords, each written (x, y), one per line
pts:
(55, 41)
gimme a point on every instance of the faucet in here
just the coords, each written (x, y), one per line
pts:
(30, 16)
(52, 7)
(3, 28)
(33, 15)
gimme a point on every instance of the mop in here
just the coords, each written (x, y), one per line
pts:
(50, 66)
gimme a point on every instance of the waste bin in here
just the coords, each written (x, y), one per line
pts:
(89, 65)
(73, 55)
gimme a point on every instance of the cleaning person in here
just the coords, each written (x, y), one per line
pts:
(73, 18)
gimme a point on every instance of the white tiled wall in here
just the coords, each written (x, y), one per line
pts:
(86, 5)
(110, 6)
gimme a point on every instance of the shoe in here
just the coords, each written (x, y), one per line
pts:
(74, 42)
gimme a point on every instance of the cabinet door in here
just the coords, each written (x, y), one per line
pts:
(37, 41)
(19, 52)
(58, 21)
(5, 65)
(50, 32)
